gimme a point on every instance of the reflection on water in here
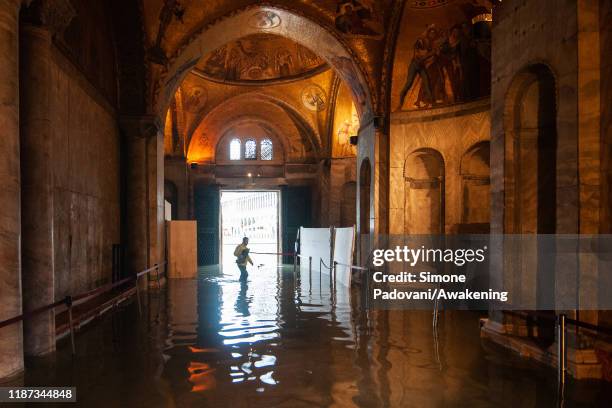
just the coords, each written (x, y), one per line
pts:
(284, 341)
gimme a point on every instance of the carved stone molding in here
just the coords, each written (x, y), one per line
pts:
(55, 15)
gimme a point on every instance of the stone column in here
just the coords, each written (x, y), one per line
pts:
(380, 187)
(40, 21)
(36, 188)
(323, 192)
(190, 195)
(140, 133)
(11, 348)
(155, 198)
(183, 193)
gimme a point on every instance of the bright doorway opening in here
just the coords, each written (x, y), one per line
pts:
(252, 214)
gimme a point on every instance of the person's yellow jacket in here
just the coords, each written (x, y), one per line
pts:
(242, 261)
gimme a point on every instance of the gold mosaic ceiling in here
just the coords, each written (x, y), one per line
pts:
(258, 59)
(279, 67)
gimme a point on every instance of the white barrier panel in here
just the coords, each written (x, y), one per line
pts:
(315, 243)
(344, 245)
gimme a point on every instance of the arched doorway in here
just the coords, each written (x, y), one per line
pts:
(424, 175)
(213, 115)
(475, 189)
(531, 158)
(531, 186)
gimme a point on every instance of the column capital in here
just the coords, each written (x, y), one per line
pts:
(143, 126)
(54, 15)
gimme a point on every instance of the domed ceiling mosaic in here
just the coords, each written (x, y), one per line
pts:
(260, 58)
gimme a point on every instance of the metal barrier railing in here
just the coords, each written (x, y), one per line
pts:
(300, 257)
(561, 321)
(70, 301)
(274, 253)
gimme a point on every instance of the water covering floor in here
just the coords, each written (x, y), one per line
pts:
(281, 341)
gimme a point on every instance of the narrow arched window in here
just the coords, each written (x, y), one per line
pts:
(234, 152)
(266, 149)
(250, 149)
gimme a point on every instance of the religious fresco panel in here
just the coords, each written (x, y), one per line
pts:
(443, 54)
(345, 124)
(260, 58)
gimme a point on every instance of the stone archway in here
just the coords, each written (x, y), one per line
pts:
(532, 199)
(279, 21)
(252, 98)
(231, 111)
(272, 20)
(531, 153)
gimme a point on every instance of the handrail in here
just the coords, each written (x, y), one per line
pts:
(32, 313)
(578, 323)
(275, 253)
(151, 269)
(103, 289)
(595, 327)
(69, 300)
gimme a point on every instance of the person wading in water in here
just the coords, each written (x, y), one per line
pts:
(242, 257)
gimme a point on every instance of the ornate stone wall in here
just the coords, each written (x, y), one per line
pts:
(524, 36)
(428, 151)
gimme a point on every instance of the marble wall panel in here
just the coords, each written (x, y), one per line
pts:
(86, 181)
(605, 44)
(11, 346)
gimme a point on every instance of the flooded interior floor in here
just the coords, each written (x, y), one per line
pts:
(284, 341)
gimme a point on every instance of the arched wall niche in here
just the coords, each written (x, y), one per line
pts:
(475, 189)
(424, 177)
(272, 20)
(531, 146)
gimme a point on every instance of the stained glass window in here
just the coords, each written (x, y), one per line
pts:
(250, 149)
(266, 149)
(235, 149)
